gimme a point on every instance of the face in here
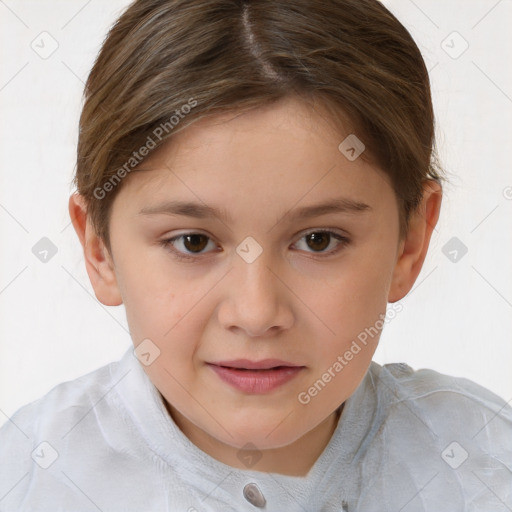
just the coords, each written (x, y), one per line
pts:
(284, 250)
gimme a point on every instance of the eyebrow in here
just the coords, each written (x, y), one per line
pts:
(203, 211)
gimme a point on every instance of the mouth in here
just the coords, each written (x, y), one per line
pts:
(247, 364)
(256, 377)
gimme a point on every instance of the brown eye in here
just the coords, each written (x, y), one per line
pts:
(189, 245)
(322, 242)
(318, 241)
(195, 243)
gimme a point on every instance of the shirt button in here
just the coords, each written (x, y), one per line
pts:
(254, 496)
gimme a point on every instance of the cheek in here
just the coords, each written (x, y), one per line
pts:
(156, 302)
(352, 305)
(354, 295)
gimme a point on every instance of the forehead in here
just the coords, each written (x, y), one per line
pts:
(276, 153)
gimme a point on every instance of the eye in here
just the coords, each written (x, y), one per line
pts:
(320, 241)
(188, 244)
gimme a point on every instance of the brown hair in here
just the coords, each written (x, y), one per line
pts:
(168, 63)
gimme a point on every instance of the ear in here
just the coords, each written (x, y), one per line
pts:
(413, 248)
(98, 262)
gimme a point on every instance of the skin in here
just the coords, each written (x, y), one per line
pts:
(291, 303)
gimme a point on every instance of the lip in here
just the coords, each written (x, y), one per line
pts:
(246, 378)
(247, 364)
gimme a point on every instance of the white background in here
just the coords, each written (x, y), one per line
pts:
(457, 319)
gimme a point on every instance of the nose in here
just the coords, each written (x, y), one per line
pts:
(255, 301)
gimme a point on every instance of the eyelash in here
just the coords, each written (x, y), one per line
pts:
(344, 241)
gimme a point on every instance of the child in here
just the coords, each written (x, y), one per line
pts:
(256, 181)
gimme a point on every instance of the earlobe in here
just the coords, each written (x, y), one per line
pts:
(413, 249)
(98, 262)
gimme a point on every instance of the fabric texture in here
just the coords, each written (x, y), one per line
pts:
(406, 441)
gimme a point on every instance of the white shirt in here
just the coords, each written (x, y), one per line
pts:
(406, 441)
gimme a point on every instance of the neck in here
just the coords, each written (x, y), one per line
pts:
(295, 459)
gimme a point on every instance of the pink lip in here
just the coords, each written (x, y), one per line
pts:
(270, 376)
(247, 364)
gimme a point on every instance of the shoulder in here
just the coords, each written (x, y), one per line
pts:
(444, 403)
(438, 394)
(68, 423)
(446, 436)
(65, 401)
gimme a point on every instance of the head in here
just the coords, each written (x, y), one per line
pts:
(257, 113)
